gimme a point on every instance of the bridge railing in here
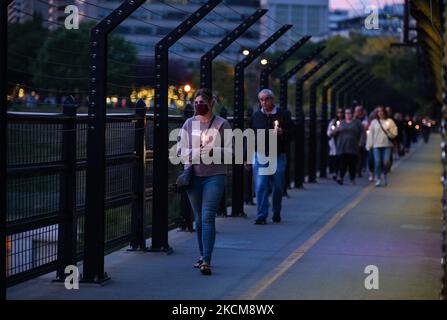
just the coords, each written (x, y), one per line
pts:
(46, 188)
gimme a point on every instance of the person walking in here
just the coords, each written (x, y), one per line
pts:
(359, 114)
(349, 135)
(334, 162)
(269, 116)
(208, 182)
(381, 132)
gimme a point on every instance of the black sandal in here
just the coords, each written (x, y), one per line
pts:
(205, 269)
(198, 264)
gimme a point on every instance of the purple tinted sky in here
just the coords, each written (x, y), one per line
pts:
(353, 5)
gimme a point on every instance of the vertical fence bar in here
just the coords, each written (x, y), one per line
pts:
(137, 221)
(333, 84)
(3, 139)
(300, 135)
(344, 86)
(265, 74)
(161, 129)
(67, 230)
(206, 62)
(96, 147)
(350, 93)
(324, 147)
(324, 116)
(443, 293)
(312, 146)
(283, 90)
(299, 115)
(239, 99)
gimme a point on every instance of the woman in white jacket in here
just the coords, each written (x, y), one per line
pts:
(379, 139)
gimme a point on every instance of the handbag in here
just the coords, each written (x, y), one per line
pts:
(184, 180)
(386, 133)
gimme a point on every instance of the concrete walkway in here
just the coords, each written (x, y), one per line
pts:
(329, 235)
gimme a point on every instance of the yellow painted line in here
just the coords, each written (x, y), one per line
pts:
(293, 258)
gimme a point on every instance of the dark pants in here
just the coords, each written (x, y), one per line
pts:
(361, 161)
(334, 165)
(348, 162)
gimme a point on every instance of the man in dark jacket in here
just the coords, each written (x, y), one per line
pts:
(268, 117)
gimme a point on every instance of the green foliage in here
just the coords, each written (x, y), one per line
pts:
(59, 60)
(24, 43)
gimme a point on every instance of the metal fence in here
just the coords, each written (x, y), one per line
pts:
(46, 187)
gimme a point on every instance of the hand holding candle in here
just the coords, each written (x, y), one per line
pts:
(278, 130)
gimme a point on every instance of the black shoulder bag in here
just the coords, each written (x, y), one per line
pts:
(184, 180)
(386, 132)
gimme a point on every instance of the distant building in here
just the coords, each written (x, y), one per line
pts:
(152, 22)
(20, 11)
(51, 11)
(335, 17)
(309, 17)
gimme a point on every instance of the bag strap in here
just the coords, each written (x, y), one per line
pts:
(211, 122)
(386, 133)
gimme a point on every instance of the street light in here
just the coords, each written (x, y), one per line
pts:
(264, 62)
(246, 52)
(187, 88)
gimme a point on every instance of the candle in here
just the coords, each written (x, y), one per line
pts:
(333, 127)
(276, 124)
(338, 123)
(203, 139)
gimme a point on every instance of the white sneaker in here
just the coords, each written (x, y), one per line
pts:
(378, 183)
(371, 179)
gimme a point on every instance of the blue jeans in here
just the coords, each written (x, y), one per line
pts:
(262, 183)
(381, 161)
(205, 195)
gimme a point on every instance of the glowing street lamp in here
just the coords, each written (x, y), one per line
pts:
(187, 88)
(246, 52)
(264, 62)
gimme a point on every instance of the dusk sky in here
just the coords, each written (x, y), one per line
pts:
(357, 5)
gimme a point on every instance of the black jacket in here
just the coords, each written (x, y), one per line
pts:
(260, 120)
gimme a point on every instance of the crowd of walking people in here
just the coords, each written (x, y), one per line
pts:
(359, 144)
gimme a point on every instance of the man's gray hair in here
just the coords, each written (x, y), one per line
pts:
(268, 92)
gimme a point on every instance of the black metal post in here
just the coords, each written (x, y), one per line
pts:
(300, 136)
(345, 85)
(3, 140)
(239, 97)
(345, 74)
(358, 93)
(312, 146)
(324, 115)
(206, 62)
(283, 90)
(299, 115)
(96, 150)
(265, 74)
(406, 23)
(161, 130)
(349, 93)
(67, 230)
(139, 242)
